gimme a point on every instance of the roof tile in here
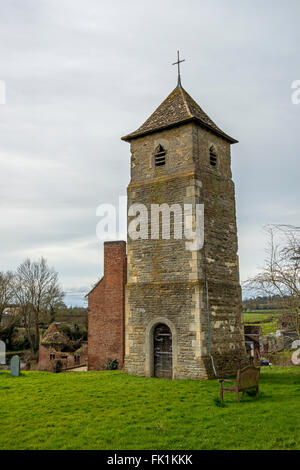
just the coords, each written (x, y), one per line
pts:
(178, 108)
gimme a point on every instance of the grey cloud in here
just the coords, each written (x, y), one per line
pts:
(80, 75)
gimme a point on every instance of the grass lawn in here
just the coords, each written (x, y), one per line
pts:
(111, 410)
(266, 327)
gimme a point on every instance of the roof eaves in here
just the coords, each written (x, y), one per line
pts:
(136, 134)
(97, 284)
(217, 131)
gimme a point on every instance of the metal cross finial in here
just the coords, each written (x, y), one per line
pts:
(178, 66)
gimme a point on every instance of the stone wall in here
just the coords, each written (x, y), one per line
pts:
(106, 310)
(166, 282)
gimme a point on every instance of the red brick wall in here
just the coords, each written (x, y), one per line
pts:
(106, 309)
(44, 356)
(45, 363)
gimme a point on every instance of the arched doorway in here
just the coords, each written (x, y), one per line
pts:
(162, 349)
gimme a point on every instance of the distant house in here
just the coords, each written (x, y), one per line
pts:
(55, 346)
(10, 314)
(81, 354)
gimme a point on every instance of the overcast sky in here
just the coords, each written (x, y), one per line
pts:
(80, 74)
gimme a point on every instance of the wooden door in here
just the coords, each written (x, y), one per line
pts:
(162, 351)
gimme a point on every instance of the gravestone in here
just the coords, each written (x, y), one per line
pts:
(15, 366)
(2, 353)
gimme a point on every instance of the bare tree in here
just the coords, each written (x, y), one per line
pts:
(280, 274)
(7, 327)
(37, 291)
(6, 291)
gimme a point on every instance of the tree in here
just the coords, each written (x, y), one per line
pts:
(8, 328)
(6, 291)
(280, 274)
(38, 292)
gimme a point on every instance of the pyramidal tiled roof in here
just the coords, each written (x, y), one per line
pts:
(178, 108)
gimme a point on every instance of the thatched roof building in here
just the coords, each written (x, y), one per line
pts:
(53, 338)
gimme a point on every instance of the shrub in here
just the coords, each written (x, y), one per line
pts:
(112, 364)
(58, 366)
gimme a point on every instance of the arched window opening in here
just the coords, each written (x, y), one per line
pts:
(213, 156)
(160, 156)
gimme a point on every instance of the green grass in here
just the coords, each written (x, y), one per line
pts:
(266, 327)
(112, 410)
(266, 311)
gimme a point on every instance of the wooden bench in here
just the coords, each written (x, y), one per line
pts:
(246, 378)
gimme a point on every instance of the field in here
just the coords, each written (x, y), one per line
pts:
(111, 410)
(267, 328)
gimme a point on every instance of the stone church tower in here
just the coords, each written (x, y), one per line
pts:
(183, 308)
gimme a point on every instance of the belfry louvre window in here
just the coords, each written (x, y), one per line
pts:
(160, 156)
(213, 156)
